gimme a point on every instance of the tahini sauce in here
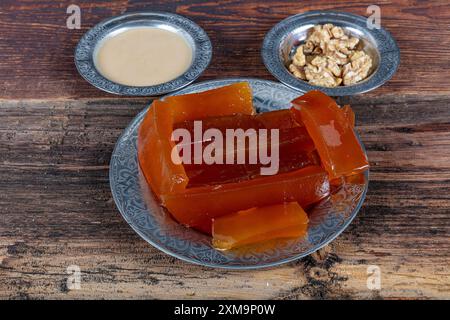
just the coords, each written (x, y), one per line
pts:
(143, 56)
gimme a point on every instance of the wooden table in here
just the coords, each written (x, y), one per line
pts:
(57, 134)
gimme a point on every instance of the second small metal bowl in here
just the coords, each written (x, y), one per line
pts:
(281, 41)
(191, 32)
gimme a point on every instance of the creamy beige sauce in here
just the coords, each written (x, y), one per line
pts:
(143, 56)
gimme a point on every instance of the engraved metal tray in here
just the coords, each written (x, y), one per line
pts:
(138, 207)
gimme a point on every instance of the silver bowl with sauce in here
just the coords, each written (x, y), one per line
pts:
(283, 39)
(195, 36)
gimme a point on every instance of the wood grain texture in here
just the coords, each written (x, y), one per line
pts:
(57, 134)
(57, 211)
(36, 48)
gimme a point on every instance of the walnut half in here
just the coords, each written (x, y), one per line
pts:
(357, 69)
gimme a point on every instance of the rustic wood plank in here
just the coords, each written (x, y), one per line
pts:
(56, 210)
(36, 48)
(56, 207)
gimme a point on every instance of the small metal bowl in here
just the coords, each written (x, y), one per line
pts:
(195, 36)
(282, 40)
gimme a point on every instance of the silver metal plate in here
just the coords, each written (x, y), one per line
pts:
(195, 36)
(155, 225)
(282, 40)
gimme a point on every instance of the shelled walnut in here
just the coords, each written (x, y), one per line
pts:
(330, 58)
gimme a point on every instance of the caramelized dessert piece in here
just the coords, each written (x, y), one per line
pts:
(296, 148)
(260, 224)
(153, 153)
(331, 129)
(359, 178)
(205, 226)
(349, 115)
(223, 101)
(154, 137)
(193, 206)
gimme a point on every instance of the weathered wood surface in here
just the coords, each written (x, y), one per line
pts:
(36, 48)
(57, 210)
(57, 134)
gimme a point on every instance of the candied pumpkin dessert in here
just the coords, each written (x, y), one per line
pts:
(305, 186)
(331, 129)
(287, 220)
(154, 137)
(233, 195)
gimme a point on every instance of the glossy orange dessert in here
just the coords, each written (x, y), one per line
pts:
(287, 220)
(295, 147)
(236, 202)
(331, 128)
(154, 139)
(195, 205)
